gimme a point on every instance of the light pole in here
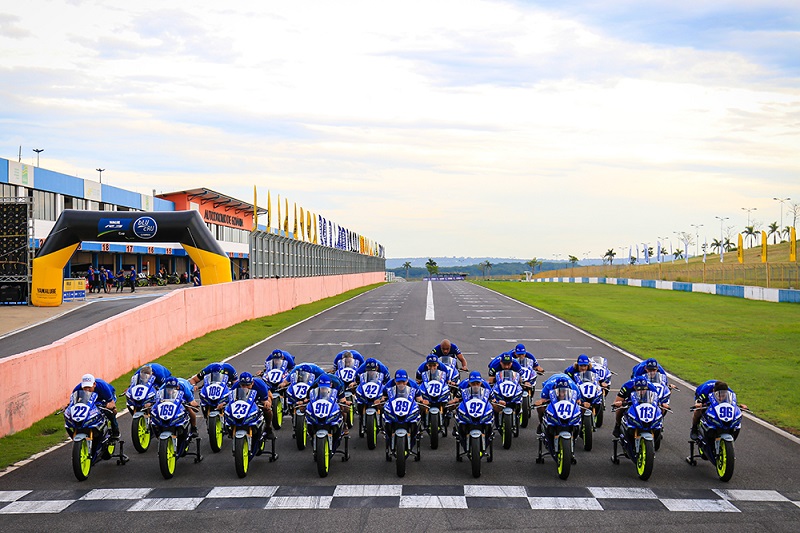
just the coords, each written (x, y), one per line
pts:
(40, 150)
(781, 200)
(748, 209)
(697, 234)
(721, 236)
(100, 170)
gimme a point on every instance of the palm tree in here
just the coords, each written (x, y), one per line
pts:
(787, 232)
(430, 264)
(750, 231)
(573, 260)
(775, 230)
(610, 254)
(488, 267)
(407, 266)
(728, 245)
(678, 254)
(716, 244)
(632, 260)
(533, 263)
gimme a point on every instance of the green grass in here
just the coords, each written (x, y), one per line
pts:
(753, 345)
(183, 361)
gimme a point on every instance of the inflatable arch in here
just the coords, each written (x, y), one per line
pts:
(74, 226)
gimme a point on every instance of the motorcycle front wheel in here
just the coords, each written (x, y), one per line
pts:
(81, 459)
(644, 460)
(563, 456)
(507, 430)
(215, 433)
(371, 428)
(525, 412)
(598, 414)
(586, 432)
(400, 451)
(277, 413)
(241, 456)
(300, 434)
(475, 455)
(323, 456)
(140, 434)
(725, 460)
(167, 457)
(433, 429)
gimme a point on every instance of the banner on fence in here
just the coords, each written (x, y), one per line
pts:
(740, 250)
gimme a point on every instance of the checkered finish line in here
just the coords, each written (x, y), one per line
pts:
(396, 496)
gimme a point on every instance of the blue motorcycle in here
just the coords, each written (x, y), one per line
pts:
(592, 393)
(475, 431)
(213, 394)
(561, 424)
(139, 398)
(508, 388)
(273, 377)
(600, 367)
(436, 419)
(90, 431)
(641, 426)
(297, 392)
(719, 427)
(527, 376)
(170, 422)
(401, 422)
(369, 395)
(348, 377)
(453, 374)
(324, 424)
(245, 424)
(664, 390)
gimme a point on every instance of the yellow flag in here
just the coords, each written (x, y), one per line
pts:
(294, 231)
(315, 229)
(279, 214)
(763, 246)
(308, 225)
(269, 213)
(792, 244)
(286, 217)
(255, 208)
(302, 225)
(740, 250)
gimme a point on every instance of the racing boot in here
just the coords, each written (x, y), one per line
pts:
(617, 431)
(694, 434)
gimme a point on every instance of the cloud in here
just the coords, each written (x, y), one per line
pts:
(9, 27)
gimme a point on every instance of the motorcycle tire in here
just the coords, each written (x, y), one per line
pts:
(644, 460)
(598, 415)
(323, 456)
(725, 460)
(215, 434)
(81, 459)
(140, 434)
(433, 429)
(563, 456)
(475, 455)
(525, 412)
(108, 449)
(401, 453)
(586, 433)
(167, 457)
(507, 431)
(300, 433)
(371, 428)
(241, 456)
(277, 413)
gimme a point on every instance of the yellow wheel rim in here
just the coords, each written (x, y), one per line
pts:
(327, 455)
(560, 456)
(86, 459)
(722, 460)
(279, 412)
(641, 460)
(143, 432)
(172, 457)
(218, 432)
(245, 455)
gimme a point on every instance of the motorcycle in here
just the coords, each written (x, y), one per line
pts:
(348, 376)
(368, 398)
(273, 378)
(508, 388)
(90, 431)
(453, 374)
(600, 367)
(527, 377)
(324, 423)
(297, 391)
(213, 393)
(591, 392)
(560, 426)
(170, 421)
(401, 422)
(139, 398)
(641, 427)
(435, 420)
(664, 393)
(719, 427)
(474, 432)
(245, 424)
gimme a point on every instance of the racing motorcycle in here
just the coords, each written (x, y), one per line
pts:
(245, 424)
(139, 398)
(436, 420)
(560, 426)
(664, 393)
(719, 427)
(474, 432)
(600, 367)
(508, 388)
(297, 391)
(273, 378)
(453, 374)
(213, 394)
(348, 376)
(401, 421)
(369, 395)
(90, 432)
(591, 392)
(641, 426)
(170, 422)
(324, 423)
(527, 376)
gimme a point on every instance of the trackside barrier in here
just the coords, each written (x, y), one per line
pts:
(38, 382)
(737, 291)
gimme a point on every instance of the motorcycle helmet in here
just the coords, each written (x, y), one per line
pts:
(519, 349)
(246, 378)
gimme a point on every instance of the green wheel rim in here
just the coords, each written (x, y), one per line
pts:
(171, 455)
(303, 436)
(245, 455)
(641, 460)
(279, 412)
(218, 432)
(327, 453)
(143, 432)
(86, 459)
(560, 456)
(722, 459)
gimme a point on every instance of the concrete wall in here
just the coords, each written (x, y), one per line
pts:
(38, 382)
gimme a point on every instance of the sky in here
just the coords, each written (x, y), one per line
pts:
(436, 128)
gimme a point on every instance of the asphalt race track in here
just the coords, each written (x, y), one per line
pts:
(437, 493)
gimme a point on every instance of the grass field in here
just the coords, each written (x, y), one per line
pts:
(182, 361)
(753, 345)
